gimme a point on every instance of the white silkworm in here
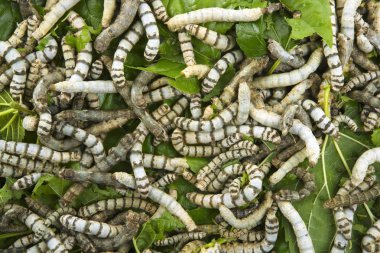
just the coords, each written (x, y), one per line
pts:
(99, 86)
(149, 22)
(192, 246)
(69, 56)
(360, 168)
(277, 51)
(198, 70)
(90, 227)
(164, 162)
(125, 46)
(159, 10)
(217, 15)
(108, 11)
(234, 188)
(222, 177)
(372, 235)
(53, 217)
(244, 101)
(196, 106)
(18, 34)
(220, 68)
(46, 55)
(292, 77)
(44, 124)
(26, 181)
(33, 23)
(210, 37)
(371, 121)
(186, 48)
(32, 165)
(160, 94)
(230, 140)
(84, 59)
(318, 115)
(76, 21)
(96, 69)
(364, 44)
(304, 242)
(341, 118)
(250, 221)
(56, 12)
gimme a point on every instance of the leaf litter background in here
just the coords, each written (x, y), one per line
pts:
(336, 159)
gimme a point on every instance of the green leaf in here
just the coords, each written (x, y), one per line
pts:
(7, 194)
(49, 189)
(9, 16)
(315, 18)
(375, 137)
(42, 43)
(155, 230)
(91, 11)
(203, 216)
(10, 119)
(79, 41)
(196, 163)
(95, 193)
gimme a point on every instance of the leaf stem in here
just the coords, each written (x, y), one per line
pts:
(326, 98)
(274, 67)
(324, 166)
(370, 214)
(9, 122)
(342, 157)
(20, 108)
(352, 139)
(8, 111)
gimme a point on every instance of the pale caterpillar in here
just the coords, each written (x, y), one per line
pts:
(159, 10)
(361, 59)
(234, 187)
(26, 181)
(166, 92)
(230, 140)
(96, 69)
(281, 54)
(108, 11)
(372, 236)
(187, 50)
(18, 34)
(341, 118)
(192, 246)
(241, 234)
(53, 217)
(69, 56)
(244, 101)
(98, 86)
(195, 106)
(149, 22)
(360, 81)
(198, 70)
(183, 237)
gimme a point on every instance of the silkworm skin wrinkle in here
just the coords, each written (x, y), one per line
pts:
(125, 46)
(292, 77)
(186, 48)
(217, 15)
(210, 37)
(318, 115)
(99, 86)
(360, 168)
(99, 229)
(56, 12)
(220, 68)
(108, 11)
(26, 181)
(149, 22)
(251, 220)
(37, 151)
(304, 242)
(246, 195)
(183, 238)
(18, 66)
(218, 122)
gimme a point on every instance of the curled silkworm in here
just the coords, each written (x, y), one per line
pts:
(187, 50)
(218, 15)
(55, 13)
(149, 22)
(360, 80)
(108, 11)
(210, 37)
(26, 181)
(53, 217)
(220, 68)
(183, 238)
(347, 120)
(370, 121)
(292, 77)
(253, 219)
(363, 44)
(280, 53)
(96, 69)
(304, 241)
(234, 187)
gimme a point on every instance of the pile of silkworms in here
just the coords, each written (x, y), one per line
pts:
(286, 108)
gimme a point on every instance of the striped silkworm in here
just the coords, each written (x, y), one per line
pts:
(37, 151)
(149, 22)
(161, 210)
(196, 106)
(98, 229)
(318, 115)
(331, 54)
(370, 240)
(69, 57)
(37, 69)
(363, 43)
(266, 245)
(46, 55)
(244, 101)
(234, 188)
(308, 188)
(183, 238)
(250, 221)
(126, 44)
(96, 69)
(16, 38)
(216, 123)
(108, 12)
(241, 234)
(270, 119)
(192, 246)
(373, 246)
(164, 162)
(53, 217)
(220, 68)
(23, 242)
(94, 115)
(278, 52)
(210, 37)
(230, 140)
(85, 243)
(186, 49)
(55, 13)
(37, 207)
(365, 97)
(122, 22)
(44, 124)
(360, 80)
(304, 242)
(222, 177)
(33, 22)
(94, 145)
(159, 10)
(292, 77)
(198, 70)
(246, 195)
(84, 59)
(353, 199)
(371, 121)
(18, 66)
(166, 92)
(26, 181)
(76, 21)
(55, 245)
(341, 118)
(218, 15)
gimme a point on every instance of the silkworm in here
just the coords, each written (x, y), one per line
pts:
(280, 53)
(69, 56)
(95, 146)
(183, 238)
(360, 80)
(230, 140)
(266, 245)
(53, 217)
(373, 246)
(363, 44)
(241, 234)
(37, 207)
(46, 55)
(84, 59)
(96, 69)
(55, 13)
(16, 38)
(198, 70)
(292, 77)
(341, 118)
(304, 241)
(37, 151)
(247, 194)
(218, 15)
(192, 246)
(234, 188)
(75, 20)
(32, 24)
(176, 110)
(251, 220)
(99, 229)
(26, 181)
(361, 59)
(35, 72)
(210, 37)
(164, 162)
(244, 98)
(54, 245)
(220, 68)
(122, 22)
(371, 236)
(195, 106)
(166, 92)
(84, 86)
(371, 121)
(318, 115)
(44, 124)
(85, 243)
(149, 22)
(18, 65)
(186, 49)
(23, 241)
(224, 175)
(94, 115)
(108, 11)
(366, 98)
